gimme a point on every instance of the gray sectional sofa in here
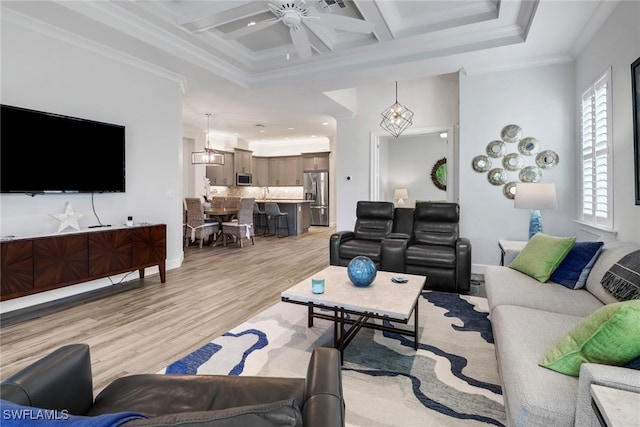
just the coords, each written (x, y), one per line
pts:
(528, 317)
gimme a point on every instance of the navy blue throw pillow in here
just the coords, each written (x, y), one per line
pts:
(634, 364)
(574, 269)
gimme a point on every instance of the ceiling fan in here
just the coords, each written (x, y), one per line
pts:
(294, 13)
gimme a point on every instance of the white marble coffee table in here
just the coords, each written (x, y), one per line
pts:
(383, 299)
(614, 407)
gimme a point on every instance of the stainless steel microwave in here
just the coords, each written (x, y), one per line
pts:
(243, 179)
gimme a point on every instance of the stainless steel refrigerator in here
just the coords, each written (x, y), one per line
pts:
(316, 189)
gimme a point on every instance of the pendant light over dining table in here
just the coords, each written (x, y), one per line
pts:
(397, 118)
(208, 156)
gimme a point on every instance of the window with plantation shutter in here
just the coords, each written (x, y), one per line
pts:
(597, 207)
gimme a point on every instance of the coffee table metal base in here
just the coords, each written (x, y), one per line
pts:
(342, 337)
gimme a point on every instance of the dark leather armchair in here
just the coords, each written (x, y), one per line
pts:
(374, 223)
(62, 381)
(436, 249)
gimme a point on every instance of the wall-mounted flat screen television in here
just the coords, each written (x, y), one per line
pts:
(50, 153)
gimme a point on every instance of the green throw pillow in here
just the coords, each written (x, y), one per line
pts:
(542, 255)
(609, 336)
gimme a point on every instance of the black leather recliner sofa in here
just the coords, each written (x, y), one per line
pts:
(62, 381)
(424, 240)
(374, 222)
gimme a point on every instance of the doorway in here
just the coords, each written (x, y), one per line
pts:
(413, 162)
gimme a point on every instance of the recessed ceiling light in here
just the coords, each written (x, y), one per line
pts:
(251, 24)
(261, 130)
(291, 128)
(443, 135)
(325, 124)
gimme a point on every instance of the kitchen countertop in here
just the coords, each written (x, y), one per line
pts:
(283, 200)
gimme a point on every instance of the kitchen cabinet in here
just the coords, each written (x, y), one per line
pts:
(276, 171)
(243, 161)
(293, 170)
(285, 171)
(313, 162)
(260, 171)
(225, 174)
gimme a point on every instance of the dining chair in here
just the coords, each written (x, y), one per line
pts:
(185, 229)
(217, 202)
(197, 227)
(232, 202)
(274, 214)
(243, 228)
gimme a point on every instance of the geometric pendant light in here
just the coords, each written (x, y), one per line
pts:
(396, 118)
(208, 156)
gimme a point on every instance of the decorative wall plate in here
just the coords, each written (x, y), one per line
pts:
(509, 190)
(512, 162)
(496, 149)
(529, 146)
(547, 159)
(511, 133)
(439, 174)
(481, 163)
(497, 176)
(530, 174)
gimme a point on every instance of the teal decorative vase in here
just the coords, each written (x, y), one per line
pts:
(361, 271)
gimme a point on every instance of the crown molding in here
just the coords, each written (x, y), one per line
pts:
(127, 22)
(519, 64)
(73, 39)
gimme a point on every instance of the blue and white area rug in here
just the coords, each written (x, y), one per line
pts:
(452, 380)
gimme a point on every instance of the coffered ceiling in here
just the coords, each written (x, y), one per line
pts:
(270, 62)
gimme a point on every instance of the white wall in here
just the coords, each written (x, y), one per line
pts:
(434, 101)
(617, 44)
(410, 160)
(41, 72)
(541, 101)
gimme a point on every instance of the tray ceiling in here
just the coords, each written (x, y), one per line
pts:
(259, 77)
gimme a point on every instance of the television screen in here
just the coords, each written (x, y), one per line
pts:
(50, 153)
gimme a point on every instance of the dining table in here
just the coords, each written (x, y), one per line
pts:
(221, 215)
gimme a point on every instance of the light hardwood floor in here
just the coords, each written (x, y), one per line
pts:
(141, 326)
(148, 325)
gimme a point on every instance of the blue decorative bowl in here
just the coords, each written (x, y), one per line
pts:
(362, 271)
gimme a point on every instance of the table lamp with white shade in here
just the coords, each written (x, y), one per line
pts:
(400, 194)
(535, 197)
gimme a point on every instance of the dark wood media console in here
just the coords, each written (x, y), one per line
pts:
(38, 264)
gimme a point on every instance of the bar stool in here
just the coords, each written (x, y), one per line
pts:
(273, 213)
(260, 219)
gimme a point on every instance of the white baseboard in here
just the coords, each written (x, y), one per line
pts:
(68, 291)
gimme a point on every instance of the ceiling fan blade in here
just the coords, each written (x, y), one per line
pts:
(301, 42)
(345, 23)
(251, 29)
